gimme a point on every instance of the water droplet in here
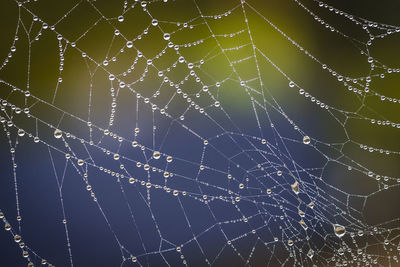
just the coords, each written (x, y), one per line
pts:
(339, 230)
(167, 36)
(154, 22)
(57, 133)
(303, 224)
(17, 238)
(129, 44)
(291, 84)
(169, 159)
(156, 155)
(116, 156)
(21, 132)
(310, 253)
(263, 141)
(306, 140)
(121, 18)
(295, 187)
(81, 162)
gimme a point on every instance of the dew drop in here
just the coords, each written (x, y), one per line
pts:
(310, 253)
(156, 155)
(306, 140)
(17, 238)
(57, 133)
(295, 187)
(167, 36)
(303, 224)
(301, 213)
(339, 230)
(263, 141)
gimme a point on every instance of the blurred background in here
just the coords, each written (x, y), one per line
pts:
(125, 79)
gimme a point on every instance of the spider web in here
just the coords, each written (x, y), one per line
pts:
(167, 133)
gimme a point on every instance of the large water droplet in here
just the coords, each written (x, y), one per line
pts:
(156, 155)
(57, 133)
(17, 238)
(167, 36)
(339, 230)
(306, 140)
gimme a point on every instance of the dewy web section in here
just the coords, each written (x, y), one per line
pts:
(198, 133)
